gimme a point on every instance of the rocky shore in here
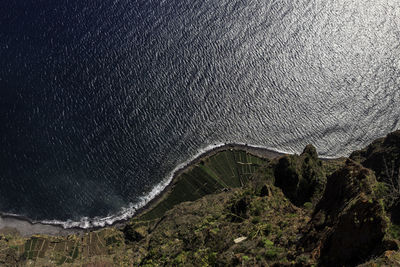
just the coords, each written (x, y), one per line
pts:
(235, 206)
(26, 227)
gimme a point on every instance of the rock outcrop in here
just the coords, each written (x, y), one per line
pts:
(349, 222)
(301, 178)
(235, 209)
(383, 157)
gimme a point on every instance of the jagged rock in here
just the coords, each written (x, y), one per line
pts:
(345, 227)
(383, 157)
(349, 222)
(301, 178)
(311, 151)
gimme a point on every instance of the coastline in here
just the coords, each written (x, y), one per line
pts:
(26, 227)
(254, 150)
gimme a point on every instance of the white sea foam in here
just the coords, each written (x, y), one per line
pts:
(292, 88)
(128, 212)
(131, 210)
(279, 150)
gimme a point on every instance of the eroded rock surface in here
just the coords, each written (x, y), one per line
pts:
(301, 178)
(349, 222)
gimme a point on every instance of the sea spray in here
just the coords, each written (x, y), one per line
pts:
(128, 212)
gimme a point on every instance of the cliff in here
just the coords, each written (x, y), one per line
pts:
(235, 208)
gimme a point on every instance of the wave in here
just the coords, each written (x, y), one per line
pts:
(127, 213)
(276, 150)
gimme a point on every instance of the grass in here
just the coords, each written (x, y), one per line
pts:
(394, 231)
(62, 250)
(226, 169)
(272, 251)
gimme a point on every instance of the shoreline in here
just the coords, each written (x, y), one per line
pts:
(256, 151)
(26, 227)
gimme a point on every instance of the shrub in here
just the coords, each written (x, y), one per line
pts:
(308, 205)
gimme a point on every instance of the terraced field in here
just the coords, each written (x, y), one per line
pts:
(255, 225)
(107, 246)
(39, 250)
(226, 169)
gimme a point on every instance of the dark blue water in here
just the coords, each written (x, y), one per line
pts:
(100, 101)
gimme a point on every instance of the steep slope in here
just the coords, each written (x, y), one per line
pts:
(349, 222)
(234, 209)
(227, 169)
(383, 157)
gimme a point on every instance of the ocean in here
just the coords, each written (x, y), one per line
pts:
(100, 101)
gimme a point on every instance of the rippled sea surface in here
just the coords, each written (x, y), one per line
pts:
(101, 100)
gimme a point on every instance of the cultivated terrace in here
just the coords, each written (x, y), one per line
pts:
(237, 209)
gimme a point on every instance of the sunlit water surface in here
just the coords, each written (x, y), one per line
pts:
(101, 101)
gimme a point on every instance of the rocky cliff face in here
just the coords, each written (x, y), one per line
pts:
(383, 157)
(295, 210)
(301, 178)
(349, 222)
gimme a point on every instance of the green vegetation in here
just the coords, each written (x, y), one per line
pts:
(236, 209)
(302, 178)
(383, 157)
(227, 169)
(394, 231)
